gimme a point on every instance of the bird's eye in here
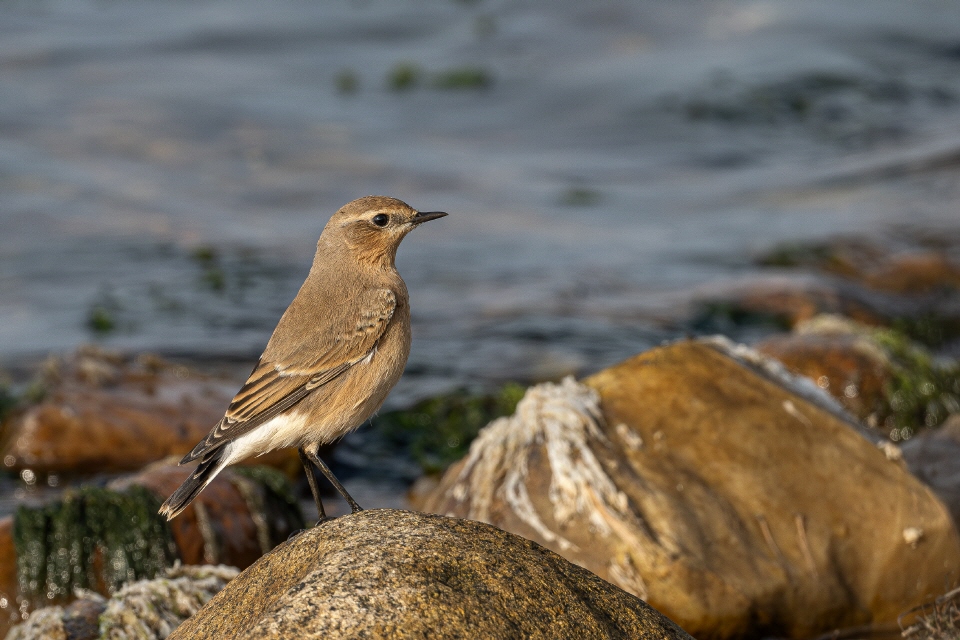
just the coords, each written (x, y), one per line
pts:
(381, 219)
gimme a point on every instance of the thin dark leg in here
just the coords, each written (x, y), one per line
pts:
(312, 480)
(315, 459)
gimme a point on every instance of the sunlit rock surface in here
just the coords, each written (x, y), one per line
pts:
(100, 412)
(398, 574)
(96, 411)
(142, 610)
(726, 493)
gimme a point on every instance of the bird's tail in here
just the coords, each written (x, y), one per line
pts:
(205, 472)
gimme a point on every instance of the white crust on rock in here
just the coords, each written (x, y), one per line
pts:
(562, 420)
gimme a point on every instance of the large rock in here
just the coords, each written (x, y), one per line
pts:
(9, 612)
(703, 478)
(102, 412)
(397, 574)
(242, 514)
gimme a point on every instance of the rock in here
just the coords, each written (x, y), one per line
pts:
(880, 375)
(81, 619)
(845, 363)
(911, 270)
(143, 610)
(933, 456)
(914, 273)
(100, 538)
(242, 514)
(102, 412)
(9, 614)
(397, 574)
(703, 478)
(781, 302)
(909, 283)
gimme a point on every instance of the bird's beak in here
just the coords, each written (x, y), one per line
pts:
(423, 216)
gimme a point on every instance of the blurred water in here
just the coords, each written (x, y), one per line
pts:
(166, 167)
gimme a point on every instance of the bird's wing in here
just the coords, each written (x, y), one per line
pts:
(278, 383)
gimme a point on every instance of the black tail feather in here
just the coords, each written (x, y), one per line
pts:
(206, 471)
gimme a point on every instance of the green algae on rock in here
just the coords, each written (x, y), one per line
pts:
(438, 431)
(93, 538)
(383, 573)
(922, 391)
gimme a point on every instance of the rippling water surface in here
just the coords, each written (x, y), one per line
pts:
(166, 167)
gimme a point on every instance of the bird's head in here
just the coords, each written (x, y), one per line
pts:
(372, 227)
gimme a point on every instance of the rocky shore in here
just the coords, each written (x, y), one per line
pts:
(804, 484)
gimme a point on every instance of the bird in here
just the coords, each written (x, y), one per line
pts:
(335, 354)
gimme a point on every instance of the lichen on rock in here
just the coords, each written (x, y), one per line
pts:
(383, 573)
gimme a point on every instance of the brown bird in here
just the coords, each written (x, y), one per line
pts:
(337, 351)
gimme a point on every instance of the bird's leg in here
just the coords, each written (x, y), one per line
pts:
(311, 452)
(312, 480)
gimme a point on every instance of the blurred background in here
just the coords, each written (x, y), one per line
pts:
(612, 169)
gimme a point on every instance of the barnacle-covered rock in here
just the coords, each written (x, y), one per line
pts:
(703, 477)
(141, 610)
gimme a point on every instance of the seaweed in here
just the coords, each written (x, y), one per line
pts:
(93, 538)
(404, 76)
(922, 391)
(463, 78)
(438, 431)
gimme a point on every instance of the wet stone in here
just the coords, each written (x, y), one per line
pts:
(81, 619)
(884, 378)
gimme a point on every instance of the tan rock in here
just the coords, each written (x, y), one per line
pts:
(730, 497)
(914, 273)
(398, 574)
(788, 300)
(102, 412)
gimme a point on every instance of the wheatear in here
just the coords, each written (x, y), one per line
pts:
(337, 351)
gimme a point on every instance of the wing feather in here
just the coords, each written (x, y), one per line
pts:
(280, 381)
